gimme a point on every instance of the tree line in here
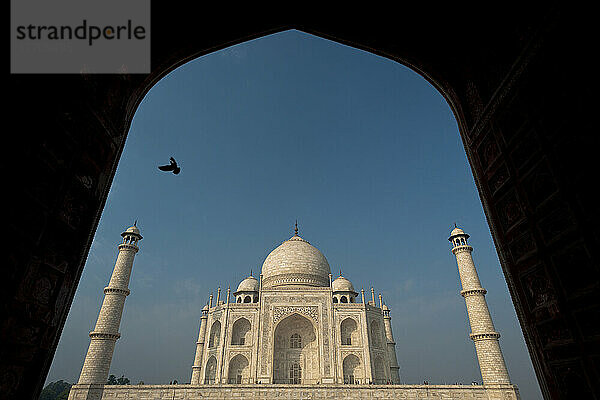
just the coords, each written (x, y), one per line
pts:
(59, 390)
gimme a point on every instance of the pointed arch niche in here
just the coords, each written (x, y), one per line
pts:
(240, 334)
(239, 370)
(349, 333)
(215, 335)
(295, 351)
(353, 370)
(210, 371)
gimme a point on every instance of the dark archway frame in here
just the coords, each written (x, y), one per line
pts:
(515, 78)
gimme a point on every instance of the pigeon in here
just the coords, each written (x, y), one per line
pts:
(171, 167)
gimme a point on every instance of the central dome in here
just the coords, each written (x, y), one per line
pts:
(295, 262)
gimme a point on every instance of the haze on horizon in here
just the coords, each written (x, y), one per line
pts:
(364, 152)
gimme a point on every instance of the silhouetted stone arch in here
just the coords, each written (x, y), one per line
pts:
(500, 100)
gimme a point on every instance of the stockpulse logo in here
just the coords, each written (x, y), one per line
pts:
(75, 36)
(89, 33)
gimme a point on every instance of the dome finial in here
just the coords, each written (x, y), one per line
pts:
(340, 272)
(251, 272)
(296, 229)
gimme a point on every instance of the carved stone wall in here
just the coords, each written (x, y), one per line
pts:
(351, 322)
(277, 392)
(276, 306)
(236, 321)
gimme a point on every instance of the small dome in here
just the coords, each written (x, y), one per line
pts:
(295, 262)
(342, 284)
(385, 308)
(132, 230)
(205, 307)
(456, 232)
(250, 284)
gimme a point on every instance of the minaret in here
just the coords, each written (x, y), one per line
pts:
(105, 334)
(483, 334)
(199, 348)
(391, 344)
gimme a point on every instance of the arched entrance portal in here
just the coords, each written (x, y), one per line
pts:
(238, 370)
(295, 351)
(352, 369)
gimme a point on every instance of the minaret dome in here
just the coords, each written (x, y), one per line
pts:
(458, 237)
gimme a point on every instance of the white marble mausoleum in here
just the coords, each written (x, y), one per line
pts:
(295, 325)
(294, 332)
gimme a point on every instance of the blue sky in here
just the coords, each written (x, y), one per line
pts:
(361, 150)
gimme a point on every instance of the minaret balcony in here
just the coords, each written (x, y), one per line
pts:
(108, 290)
(461, 248)
(483, 336)
(104, 335)
(473, 292)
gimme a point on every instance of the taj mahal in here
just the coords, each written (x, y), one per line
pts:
(294, 332)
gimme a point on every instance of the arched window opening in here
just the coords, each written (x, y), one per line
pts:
(295, 341)
(255, 299)
(335, 300)
(295, 373)
(239, 300)
(378, 371)
(241, 332)
(210, 371)
(375, 334)
(344, 299)
(215, 335)
(352, 370)
(349, 332)
(247, 299)
(238, 370)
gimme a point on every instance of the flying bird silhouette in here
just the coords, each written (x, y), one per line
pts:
(171, 167)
